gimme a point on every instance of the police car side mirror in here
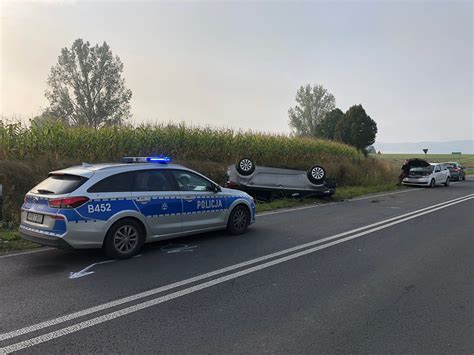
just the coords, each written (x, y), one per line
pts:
(217, 188)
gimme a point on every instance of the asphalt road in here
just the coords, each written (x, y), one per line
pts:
(384, 274)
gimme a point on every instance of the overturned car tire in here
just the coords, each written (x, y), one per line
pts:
(245, 166)
(317, 175)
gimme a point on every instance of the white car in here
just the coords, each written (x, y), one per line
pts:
(430, 175)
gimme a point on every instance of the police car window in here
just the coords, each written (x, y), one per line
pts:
(59, 184)
(115, 183)
(152, 180)
(188, 181)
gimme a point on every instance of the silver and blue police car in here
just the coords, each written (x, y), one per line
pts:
(120, 207)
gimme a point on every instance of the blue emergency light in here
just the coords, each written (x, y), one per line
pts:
(159, 160)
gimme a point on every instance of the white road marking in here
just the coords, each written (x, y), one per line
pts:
(85, 271)
(177, 248)
(363, 231)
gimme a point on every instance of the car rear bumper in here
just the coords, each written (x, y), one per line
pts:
(50, 241)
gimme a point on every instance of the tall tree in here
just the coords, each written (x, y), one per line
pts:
(327, 127)
(312, 104)
(358, 129)
(86, 86)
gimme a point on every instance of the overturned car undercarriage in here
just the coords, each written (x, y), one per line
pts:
(268, 183)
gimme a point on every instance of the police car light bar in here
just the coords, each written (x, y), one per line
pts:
(159, 160)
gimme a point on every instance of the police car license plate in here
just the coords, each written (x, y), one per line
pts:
(34, 217)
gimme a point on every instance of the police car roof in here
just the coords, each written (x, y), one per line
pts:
(87, 170)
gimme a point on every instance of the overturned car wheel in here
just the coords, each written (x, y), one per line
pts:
(317, 175)
(245, 166)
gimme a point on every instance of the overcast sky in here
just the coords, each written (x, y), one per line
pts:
(239, 64)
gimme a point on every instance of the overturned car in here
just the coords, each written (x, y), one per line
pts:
(268, 183)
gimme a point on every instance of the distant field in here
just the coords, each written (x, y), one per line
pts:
(465, 159)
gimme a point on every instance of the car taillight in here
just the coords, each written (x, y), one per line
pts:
(69, 202)
(231, 184)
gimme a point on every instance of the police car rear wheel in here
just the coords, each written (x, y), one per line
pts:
(239, 220)
(124, 239)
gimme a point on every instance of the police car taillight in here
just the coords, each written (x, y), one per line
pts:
(159, 160)
(70, 202)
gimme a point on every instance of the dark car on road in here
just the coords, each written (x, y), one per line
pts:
(268, 183)
(456, 170)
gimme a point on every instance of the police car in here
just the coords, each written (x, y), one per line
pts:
(119, 207)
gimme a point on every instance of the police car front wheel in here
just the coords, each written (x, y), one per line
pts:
(239, 220)
(124, 239)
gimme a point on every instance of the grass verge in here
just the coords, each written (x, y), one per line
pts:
(10, 241)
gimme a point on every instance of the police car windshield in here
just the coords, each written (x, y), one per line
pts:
(59, 184)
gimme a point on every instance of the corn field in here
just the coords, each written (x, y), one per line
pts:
(28, 153)
(184, 143)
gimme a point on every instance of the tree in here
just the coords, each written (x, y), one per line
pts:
(86, 86)
(312, 104)
(358, 129)
(327, 127)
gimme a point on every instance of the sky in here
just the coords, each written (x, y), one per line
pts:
(239, 64)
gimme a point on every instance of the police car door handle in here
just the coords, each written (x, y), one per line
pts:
(143, 199)
(188, 198)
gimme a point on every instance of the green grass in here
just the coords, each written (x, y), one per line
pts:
(11, 241)
(465, 159)
(469, 172)
(346, 192)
